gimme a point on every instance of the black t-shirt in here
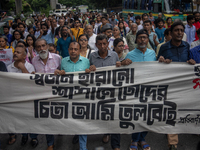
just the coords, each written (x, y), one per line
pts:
(3, 67)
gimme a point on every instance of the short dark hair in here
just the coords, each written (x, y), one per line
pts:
(167, 31)
(6, 26)
(137, 17)
(22, 43)
(14, 26)
(101, 37)
(147, 21)
(117, 40)
(52, 45)
(74, 43)
(92, 21)
(176, 24)
(19, 46)
(20, 23)
(83, 35)
(104, 17)
(77, 20)
(196, 12)
(161, 20)
(143, 15)
(45, 24)
(190, 17)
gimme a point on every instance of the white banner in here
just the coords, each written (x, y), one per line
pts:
(145, 96)
(6, 55)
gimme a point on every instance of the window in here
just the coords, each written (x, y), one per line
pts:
(176, 6)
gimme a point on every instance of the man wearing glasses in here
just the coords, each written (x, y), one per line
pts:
(139, 54)
(77, 31)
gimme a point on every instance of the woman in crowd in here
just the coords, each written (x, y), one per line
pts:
(3, 43)
(168, 23)
(119, 48)
(31, 31)
(116, 34)
(30, 43)
(3, 46)
(122, 29)
(85, 48)
(17, 36)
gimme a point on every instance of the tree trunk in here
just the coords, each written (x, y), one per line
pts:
(18, 4)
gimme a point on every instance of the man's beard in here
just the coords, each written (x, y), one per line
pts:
(45, 33)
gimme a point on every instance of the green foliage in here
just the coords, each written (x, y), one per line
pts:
(45, 10)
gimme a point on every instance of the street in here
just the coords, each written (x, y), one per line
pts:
(156, 141)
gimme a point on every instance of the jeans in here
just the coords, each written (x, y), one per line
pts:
(83, 142)
(115, 141)
(139, 137)
(50, 139)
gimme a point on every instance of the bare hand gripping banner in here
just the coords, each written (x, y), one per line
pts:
(147, 96)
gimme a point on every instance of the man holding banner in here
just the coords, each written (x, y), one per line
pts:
(175, 50)
(102, 58)
(140, 54)
(46, 62)
(74, 62)
(20, 65)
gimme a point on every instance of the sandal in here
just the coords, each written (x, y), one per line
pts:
(133, 146)
(144, 145)
(12, 139)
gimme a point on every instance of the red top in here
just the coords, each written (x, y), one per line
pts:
(197, 25)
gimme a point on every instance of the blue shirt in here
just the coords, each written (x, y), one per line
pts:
(63, 45)
(195, 54)
(190, 32)
(177, 54)
(160, 33)
(48, 37)
(9, 36)
(151, 35)
(69, 66)
(137, 56)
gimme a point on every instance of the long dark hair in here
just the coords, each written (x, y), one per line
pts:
(33, 38)
(21, 34)
(124, 28)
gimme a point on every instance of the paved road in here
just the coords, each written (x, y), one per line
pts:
(156, 141)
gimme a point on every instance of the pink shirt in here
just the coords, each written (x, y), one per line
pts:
(53, 63)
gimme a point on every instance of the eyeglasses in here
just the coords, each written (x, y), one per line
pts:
(83, 40)
(142, 37)
(76, 22)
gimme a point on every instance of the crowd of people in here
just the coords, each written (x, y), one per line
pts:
(77, 42)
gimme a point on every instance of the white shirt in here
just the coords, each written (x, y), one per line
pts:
(184, 37)
(194, 44)
(25, 34)
(98, 24)
(92, 41)
(95, 29)
(140, 27)
(12, 68)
